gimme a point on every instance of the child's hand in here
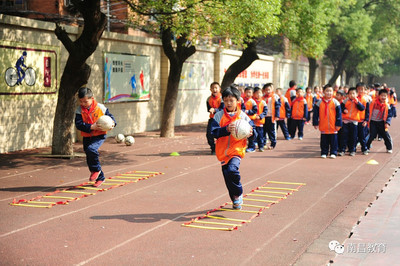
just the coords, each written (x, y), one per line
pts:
(316, 127)
(212, 110)
(387, 126)
(365, 123)
(345, 111)
(258, 117)
(231, 127)
(337, 128)
(251, 132)
(95, 127)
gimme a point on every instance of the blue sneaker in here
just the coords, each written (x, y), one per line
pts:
(237, 203)
(250, 150)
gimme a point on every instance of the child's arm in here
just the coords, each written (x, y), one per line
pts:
(253, 110)
(366, 119)
(305, 110)
(112, 117)
(288, 110)
(359, 105)
(338, 122)
(82, 126)
(316, 116)
(264, 112)
(390, 115)
(217, 131)
(277, 108)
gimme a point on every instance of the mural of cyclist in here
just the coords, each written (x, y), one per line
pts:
(19, 64)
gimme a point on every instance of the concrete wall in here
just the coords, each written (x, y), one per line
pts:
(26, 121)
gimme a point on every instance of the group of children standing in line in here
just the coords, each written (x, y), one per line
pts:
(344, 117)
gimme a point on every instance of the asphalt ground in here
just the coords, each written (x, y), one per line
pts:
(141, 223)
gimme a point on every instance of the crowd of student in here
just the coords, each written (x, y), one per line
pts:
(348, 117)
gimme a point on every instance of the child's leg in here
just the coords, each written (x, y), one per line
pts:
(285, 130)
(385, 135)
(265, 130)
(271, 131)
(333, 143)
(210, 138)
(373, 132)
(292, 128)
(324, 144)
(344, 137)
(361, 136)
(91, 146)
(352, 142)
(300, 125)
(260, 137)
(232, 178)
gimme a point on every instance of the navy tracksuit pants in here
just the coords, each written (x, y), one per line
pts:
(378, 127)
(232, 177)
(91, 146)
(329, 141)
(269, 128)
(348, 137)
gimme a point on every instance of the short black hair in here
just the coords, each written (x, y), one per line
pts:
(352, 89)
(231, 91)
(299, 89)
(292, 83)
(257, 89)
(327, 86)
(214, 83)
(267, 85)
(360, 84)
(377, 85)
(85, 92)
(382, 91)
(249, 89)
(341, 93)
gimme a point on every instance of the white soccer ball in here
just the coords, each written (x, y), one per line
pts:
(105, 122)
(242, 129)
(119, 138)
(129, 140)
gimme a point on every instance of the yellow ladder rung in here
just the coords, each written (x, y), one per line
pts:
(281, 188)
(58, 197)
(266, 196)
(121, 180)
(77, 192)
(286, 183)
(29, 205)
(112, 184)
(227, 219)
(274, 192)
(148, 172)
(208, 227)
(271, 201)
(250, 205)
(205, 222)
(41, 202)
(266, 192)
(131, 177)
(134, 175)
(233, 210)
(92, 188)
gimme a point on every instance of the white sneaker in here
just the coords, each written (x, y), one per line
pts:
(323, 156)
(352, 154)
(300, 138)
(333, 156)
(389, 151)
(366, 152)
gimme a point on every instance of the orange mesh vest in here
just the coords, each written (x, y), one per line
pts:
(353, 113)
(90, 117)
(214, 102)
(327, 116)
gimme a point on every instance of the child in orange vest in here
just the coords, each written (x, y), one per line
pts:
(214, 104)
(340, 97)
(351, 108)
(86, 116)
(380, 117)
(299, 114)
(229, 150)
(250, 106)
(328, 118)
(310, 103)
(258, 120)
(362, 128)
(273, 102)
(284, 112)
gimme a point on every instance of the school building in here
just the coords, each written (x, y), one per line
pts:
(129, 74)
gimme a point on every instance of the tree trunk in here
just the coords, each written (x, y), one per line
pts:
(340, 66)
(248, 56)
(312, 66)
(177, 57)
(76, 72)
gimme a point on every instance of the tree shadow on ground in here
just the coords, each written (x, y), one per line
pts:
(153, 217)
(35, 189)
(181, 153)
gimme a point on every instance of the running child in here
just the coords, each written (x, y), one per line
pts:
(86, 116)
(229, 150)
